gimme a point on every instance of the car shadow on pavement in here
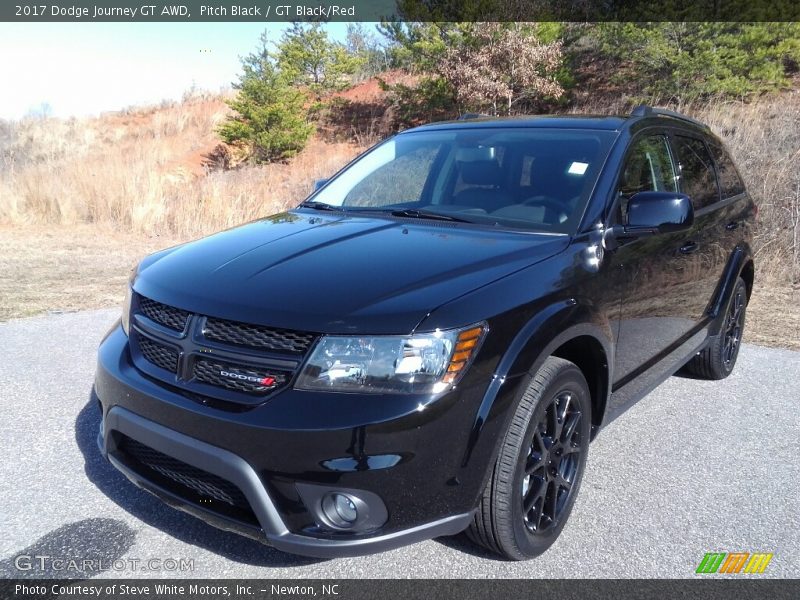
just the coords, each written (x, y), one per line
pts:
(155, 513)
(462, 543)
(100, 541)
(684, 373)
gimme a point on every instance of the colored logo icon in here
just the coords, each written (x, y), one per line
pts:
(734, 562)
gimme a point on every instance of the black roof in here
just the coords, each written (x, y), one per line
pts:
(609, 123)
(601, 122)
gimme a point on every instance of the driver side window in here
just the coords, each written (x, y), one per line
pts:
(648, 168)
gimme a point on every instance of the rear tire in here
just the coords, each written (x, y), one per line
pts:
(538, 471)
(717, 360)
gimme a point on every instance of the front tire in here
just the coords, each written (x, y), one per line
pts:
(716, 361)
(538, 471)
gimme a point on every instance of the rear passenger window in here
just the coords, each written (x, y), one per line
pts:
(729, 181)
(697, 177)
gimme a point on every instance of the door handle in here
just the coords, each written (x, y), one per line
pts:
(689, 247)
(732, 225)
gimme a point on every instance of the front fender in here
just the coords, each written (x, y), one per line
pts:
(540, 337)
(535, 311)
(548, 330)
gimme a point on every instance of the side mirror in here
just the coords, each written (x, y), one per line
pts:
(650, 213)
(318, 183)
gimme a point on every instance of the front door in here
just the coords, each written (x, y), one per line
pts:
(658, 272)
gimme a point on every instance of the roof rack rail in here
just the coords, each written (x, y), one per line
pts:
(471, 115)
(643, 110)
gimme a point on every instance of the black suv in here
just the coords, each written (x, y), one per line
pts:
(428, 343)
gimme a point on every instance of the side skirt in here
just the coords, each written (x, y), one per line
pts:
(629, 391)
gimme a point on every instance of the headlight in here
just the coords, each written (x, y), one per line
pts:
(417, 364)
(126, 311)
(126, 305)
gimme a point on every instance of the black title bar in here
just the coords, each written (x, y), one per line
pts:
(143, 11)
(741, 588)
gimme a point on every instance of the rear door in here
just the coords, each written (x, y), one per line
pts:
(707, 249)
(732, 215)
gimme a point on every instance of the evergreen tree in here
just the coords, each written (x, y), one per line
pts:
(307, 56)
(368, 54)
(688, 61)
(269, 121)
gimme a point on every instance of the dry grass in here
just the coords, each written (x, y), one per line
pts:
(145, 172)
(764, 139)
(64, 268)
(82, 200)
(773, 315)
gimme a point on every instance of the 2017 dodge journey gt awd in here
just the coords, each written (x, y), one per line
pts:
(429, 342)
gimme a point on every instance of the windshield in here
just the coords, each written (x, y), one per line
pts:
(521, 178)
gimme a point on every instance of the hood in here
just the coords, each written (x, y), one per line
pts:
(337, 274)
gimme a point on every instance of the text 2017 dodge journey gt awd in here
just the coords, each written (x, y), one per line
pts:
(428, 343)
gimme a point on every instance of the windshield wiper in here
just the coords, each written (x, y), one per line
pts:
(319, 205)
(411, 213)
(415, 213)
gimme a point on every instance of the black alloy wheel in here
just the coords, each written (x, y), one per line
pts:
(734, 325)
(538, 471)
(717, 359)
(552, 463)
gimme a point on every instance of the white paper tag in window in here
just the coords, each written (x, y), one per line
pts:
(578, 168)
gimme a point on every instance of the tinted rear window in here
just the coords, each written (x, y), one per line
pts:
(729, 180)
(697, 176)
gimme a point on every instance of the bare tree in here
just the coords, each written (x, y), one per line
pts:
(498, 65)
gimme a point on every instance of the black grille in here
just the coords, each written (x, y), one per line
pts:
(256, 336)
(242, 379)
(158, 354)
(168, 316)
(187, 353)
(196, 485)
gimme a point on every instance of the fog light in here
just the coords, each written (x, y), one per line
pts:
(340, 509)
(345, 508)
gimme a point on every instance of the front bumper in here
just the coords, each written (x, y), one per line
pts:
(412, 460)
(228, 466)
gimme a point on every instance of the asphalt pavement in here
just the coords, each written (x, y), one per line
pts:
(695, 467)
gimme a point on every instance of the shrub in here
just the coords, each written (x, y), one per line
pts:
(685, 62)
(269, 121)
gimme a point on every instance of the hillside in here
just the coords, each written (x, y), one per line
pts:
(82, 200)
(151, 170)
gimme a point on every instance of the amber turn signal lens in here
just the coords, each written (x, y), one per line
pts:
(449, 377)
(466, 344)
(469, 334)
